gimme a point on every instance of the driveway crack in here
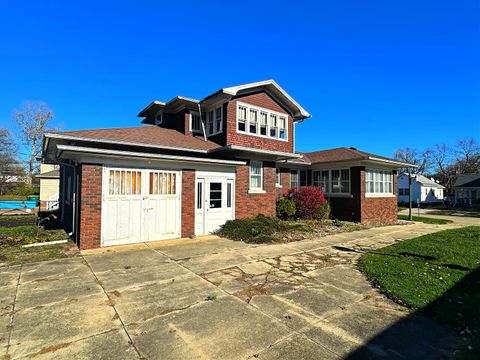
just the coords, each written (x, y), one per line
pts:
(10, 326)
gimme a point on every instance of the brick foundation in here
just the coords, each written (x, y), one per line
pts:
(90, 206)
(188, 203)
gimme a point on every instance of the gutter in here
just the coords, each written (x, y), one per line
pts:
(107, 152)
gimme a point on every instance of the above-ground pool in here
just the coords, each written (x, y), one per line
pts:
(15, 204)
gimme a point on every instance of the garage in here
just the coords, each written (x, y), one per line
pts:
(140, 205)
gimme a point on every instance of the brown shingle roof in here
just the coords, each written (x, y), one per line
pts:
(339, 154)
(144, 136)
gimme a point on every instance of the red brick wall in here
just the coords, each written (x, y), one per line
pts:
(284, 182)
(378, 210)
(188, 203)
(90, 206)
(250, 205)
(265, 101)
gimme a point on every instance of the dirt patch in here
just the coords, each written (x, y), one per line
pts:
(252, 290)
(50, 349)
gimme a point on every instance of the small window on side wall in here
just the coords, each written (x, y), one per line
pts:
(256, 175)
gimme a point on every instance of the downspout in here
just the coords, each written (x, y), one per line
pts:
(201, 120)
(74, 194)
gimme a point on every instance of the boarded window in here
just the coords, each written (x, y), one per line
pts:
(162, 183)
(124, 182)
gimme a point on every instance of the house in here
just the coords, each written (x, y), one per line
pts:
(49, 178)
(424, 190)
(467, 189)
(195, 164)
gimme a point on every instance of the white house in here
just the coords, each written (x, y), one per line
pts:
(424, 190)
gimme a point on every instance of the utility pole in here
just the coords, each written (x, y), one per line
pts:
(409, 195)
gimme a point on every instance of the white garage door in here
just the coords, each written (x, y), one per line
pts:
(140, 205)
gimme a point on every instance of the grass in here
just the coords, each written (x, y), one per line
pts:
(13, 197)
(437, 274)
(16, 231)
(467, 213)
(263, 229)
(425, 220)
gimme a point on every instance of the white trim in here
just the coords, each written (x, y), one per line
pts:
(379, 195)
(258, 151)
(269, 112)
(80, 149)
(256, 191)
(107, 141)
(399, 163)
(190, 114)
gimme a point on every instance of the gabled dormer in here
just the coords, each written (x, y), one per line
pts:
(257, 115)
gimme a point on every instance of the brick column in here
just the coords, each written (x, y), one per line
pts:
(188, 202)
(90, 206)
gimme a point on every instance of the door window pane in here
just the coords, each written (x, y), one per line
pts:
(215, 195)
(199, 195)
(162, 183)
(229, 195)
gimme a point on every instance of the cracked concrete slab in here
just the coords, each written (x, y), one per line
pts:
(296, 347)
(37, 328)
(226, 328)
(121, 278)
(61, 268)
(214, 262)
(147, 301)
(9, 275)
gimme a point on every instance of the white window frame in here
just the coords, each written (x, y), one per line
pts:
(259, 110)
(199, 131)
(157, 120)
(278, 177)
(260, 164)
(329, 190)
(382, 177)
(211, 118)
(297, 173)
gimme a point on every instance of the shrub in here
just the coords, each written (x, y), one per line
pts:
(259, 229)
(23, 191)
(286, 208)
(309, 201)
(325, 211)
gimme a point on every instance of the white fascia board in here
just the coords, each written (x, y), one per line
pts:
(120, 153)
(393, 162)
(155, 102)
(259, 151)
(129, 143)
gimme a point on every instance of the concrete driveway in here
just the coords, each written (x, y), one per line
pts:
(214, 299)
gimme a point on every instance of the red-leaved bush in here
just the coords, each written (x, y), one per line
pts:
(309, 201)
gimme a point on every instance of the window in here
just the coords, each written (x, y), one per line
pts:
(340, 181)
(218, 120)
(256, 174)
(215, 195)
(229, 195)
(379, 181)
(159, 118)
(273, 125)
(294, 178)
(195, 121)
(282, 127)
(253, 121)
(278, 178)
(403, 192)
(303, 178)
(241, 118)
(262, 122)
(199, 195)
(210, 122)
(162, 183)
(124, 182)
(321, 180)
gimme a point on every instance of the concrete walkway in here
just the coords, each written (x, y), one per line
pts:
(215, 299)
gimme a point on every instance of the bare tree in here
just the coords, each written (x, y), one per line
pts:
(467, 154)
(32, 119)
(10, 171)
(414, 157)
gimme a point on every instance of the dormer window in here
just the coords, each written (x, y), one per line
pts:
(214, 121)
(195, 122)
(159, 118)
(257, 121)
(218, 119)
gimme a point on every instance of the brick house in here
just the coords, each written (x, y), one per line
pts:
(195, 164)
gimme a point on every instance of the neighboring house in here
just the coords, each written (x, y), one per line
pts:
(197, 163)
(424, 190)
(49, 178)
(467, 189)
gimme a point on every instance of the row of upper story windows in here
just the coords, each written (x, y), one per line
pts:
(251, 120)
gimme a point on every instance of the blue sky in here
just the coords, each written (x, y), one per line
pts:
(377, 75)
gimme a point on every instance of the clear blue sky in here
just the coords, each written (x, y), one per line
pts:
(377, 75)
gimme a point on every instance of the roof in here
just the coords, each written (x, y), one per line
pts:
(53, 174)
(270, 86)
(428, 182)
(346, 154)
(147, 136)
(468, 180)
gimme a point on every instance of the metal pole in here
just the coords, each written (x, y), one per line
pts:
(409, 195)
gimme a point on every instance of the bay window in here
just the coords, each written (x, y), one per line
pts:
(378, 181)
(256, 175)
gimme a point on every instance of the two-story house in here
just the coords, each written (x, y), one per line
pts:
(197, 163)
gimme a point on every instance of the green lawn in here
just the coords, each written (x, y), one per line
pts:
(467, 213)
(438, 274)
(16, 231)
(13, 197)
(425, 220)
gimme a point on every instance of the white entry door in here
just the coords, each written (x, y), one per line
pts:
(140, 205)
(214, 203)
